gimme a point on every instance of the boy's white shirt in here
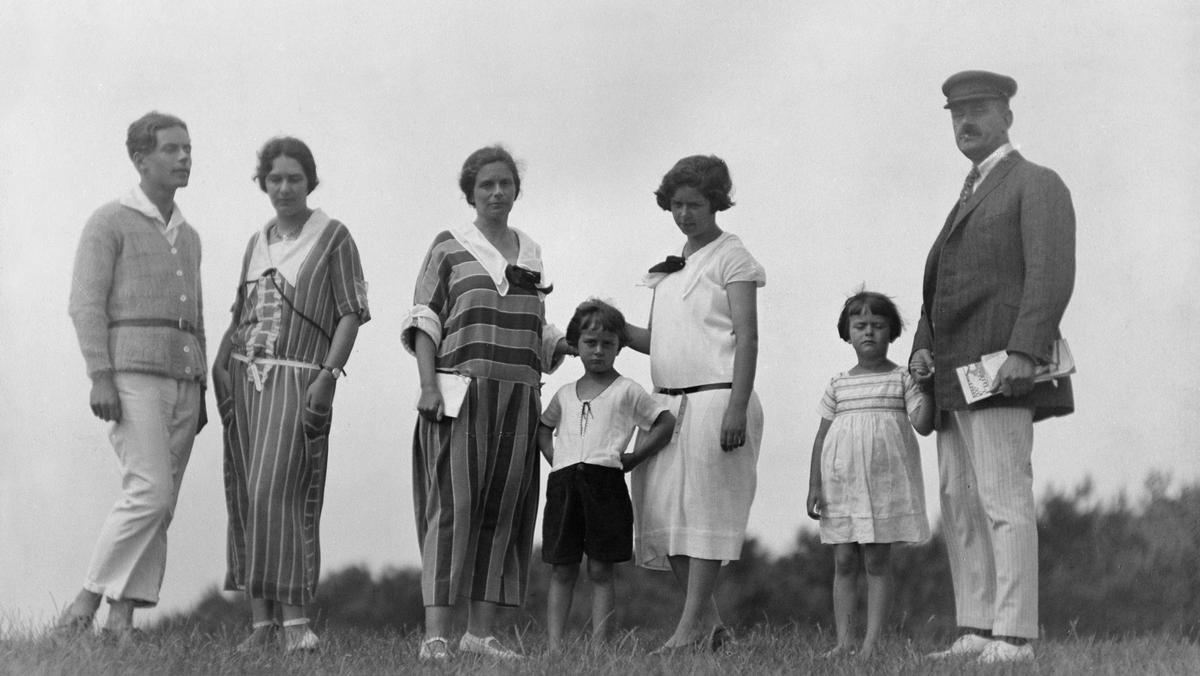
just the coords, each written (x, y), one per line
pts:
(601, 439)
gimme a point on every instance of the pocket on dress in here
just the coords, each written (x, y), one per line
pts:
(316, 423)
(225, 410)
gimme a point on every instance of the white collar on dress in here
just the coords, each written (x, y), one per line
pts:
(694, 265)
(286, 256)
(529, 255)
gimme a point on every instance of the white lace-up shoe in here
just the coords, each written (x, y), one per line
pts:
(1001, 652)
(965, 646)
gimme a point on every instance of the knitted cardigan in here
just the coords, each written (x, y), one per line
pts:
(126, 269)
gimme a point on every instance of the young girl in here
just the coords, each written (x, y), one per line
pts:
(865, 483)
(583, 434)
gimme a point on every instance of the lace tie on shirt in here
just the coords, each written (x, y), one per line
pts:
(585, 414)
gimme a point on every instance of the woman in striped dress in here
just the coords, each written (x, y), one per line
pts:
(300, 301)
(478, 312)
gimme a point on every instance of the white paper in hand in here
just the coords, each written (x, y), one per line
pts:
(453, 387)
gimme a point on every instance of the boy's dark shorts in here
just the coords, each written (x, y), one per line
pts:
(587, 511)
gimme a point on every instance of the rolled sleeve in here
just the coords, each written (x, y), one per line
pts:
(420, 318)
(349, 283)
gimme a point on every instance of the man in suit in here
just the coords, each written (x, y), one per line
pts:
(998, 278)
(137, 309)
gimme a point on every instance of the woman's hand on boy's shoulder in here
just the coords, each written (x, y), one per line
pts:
(563, 348)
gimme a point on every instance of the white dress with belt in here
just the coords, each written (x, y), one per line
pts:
(692, 498)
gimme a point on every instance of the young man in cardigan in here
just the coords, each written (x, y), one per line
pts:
(137, 309)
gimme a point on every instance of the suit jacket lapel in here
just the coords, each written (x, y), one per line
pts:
(994, 178)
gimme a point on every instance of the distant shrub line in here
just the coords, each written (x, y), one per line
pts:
(1107, 569)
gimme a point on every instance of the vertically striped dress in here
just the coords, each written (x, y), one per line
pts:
(475, 476)
(274, 472)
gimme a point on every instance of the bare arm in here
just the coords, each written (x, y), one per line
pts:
(222, 382)
(320, 391)
(816, 501)
(429, 405)
(921, 416)
(545, 442)
(743, 306)
(651, 442)
(639, 338)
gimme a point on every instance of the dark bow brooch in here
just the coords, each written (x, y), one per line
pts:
(525, 278)
(671, 264)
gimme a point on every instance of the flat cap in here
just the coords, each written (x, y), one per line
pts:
(977, 84)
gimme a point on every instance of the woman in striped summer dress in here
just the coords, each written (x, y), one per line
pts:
(300, 302)
(478, 311)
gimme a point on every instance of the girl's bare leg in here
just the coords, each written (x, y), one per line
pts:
(879, 592)
(846, 565)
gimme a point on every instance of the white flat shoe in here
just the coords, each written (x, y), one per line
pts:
(262, 637)
(297, 637)
(489, 646)
(434, 649)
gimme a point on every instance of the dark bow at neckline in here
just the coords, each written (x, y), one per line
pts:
(669, 265)
(527, 279)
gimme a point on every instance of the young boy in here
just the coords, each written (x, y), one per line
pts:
(587, 504)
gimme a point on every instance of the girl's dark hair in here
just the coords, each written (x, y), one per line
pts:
(595, 313)
(293, 148)
(877, 304)
(706, 173)
(480, 159)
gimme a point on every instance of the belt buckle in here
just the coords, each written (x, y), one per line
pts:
(184, 325)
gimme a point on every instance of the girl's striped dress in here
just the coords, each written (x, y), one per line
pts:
(871, 463)
(475, 476)
(274, 471)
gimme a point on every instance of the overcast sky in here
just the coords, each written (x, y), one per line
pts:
(828, 113)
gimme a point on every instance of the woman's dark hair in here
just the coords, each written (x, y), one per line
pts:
(876, 304)
(478, 160)
(142, 136)
(706, 173)
(595, 313)
(291, 147)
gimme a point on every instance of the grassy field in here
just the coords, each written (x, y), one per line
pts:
(780, 650)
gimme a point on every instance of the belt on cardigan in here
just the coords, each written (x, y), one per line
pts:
(181, 324)
(676, 391)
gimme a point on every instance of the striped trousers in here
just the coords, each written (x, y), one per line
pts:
(475, 495)
(989, 518)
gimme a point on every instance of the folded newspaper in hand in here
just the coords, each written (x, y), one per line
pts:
(976, 379)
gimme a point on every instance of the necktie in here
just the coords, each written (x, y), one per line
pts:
(968, 184)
